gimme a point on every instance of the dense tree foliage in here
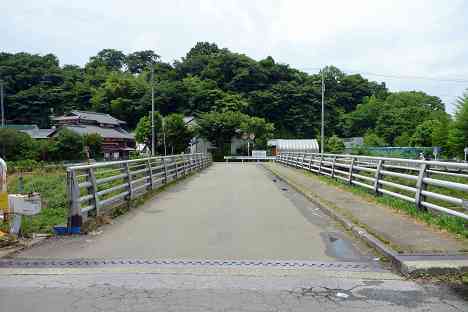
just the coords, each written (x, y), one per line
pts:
(458, 133)
(215, 82)
(143, 130)
(178, 134)
(93, 142)
(334, 145)
(15, 145)
(68, 145)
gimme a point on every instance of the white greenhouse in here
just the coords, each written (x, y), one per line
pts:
(303, 146)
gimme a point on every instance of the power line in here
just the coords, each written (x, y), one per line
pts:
(438, 79)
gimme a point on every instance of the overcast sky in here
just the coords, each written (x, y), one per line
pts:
(410, 38)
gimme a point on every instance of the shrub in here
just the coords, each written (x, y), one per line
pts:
(68, 145)
(373, 140)
(334, 145)
(16, 145)
(94, 142)
(23, 165)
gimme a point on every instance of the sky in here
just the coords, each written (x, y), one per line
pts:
(411, 45)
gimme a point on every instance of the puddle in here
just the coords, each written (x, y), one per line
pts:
(339, 247)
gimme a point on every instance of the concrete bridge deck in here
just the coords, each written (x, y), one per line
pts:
(229, 211)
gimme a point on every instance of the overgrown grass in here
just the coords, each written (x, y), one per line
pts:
(455, 225)
(52, 186)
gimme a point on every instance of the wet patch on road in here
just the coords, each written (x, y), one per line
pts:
(339, 244)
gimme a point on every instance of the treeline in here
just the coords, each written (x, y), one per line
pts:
(216, 81)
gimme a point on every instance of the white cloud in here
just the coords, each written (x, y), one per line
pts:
(411, 38)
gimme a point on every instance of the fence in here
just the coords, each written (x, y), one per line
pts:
(433, 185)
(92, 188)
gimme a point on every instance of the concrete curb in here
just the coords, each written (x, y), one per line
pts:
(10, 251)
(406, 264)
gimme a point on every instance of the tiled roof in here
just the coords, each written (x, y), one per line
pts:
(91, 116)
(110, 133)
(99, 117)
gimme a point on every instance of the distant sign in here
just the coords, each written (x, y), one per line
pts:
(436, 149)
(466, 150)
(259, 154)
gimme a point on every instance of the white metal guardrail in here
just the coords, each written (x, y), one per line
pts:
(92, 188)
(248, 158)
(433, 185)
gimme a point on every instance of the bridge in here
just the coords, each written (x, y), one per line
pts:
(225, 237)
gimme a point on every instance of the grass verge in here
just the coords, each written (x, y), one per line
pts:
(52, 186)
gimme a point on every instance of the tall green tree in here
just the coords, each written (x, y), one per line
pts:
(458, 133)
(139, 61)
(219, 128)
(178, 134)
(143, 129)
(262, 130)
(111, 59)
(120, 95)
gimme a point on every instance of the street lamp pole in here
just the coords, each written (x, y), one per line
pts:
(152, 110)
(322, 130)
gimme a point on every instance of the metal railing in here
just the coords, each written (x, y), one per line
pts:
(92, 188)
(432, 185)
(248, 158)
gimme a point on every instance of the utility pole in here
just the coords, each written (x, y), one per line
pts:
(1, 104)
(322, 130)
(152, 110)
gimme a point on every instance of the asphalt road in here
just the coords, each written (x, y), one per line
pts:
(228, 211)
(216, 289)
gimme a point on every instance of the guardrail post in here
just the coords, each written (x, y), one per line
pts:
(378, 176)
(302, 161)
(185, 164)
(74, 219)
(420, 185)
(350, 178)
(320, 164)
(93, 189)
(150, 172)
(333, 167)
(176, 167)
(129, 181)
(310, 162)
(165, 169)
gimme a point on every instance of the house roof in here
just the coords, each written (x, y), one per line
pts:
(109, 133)
(33, 131)
(101, 118)
(22, 127)
(39, 133)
